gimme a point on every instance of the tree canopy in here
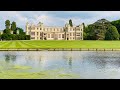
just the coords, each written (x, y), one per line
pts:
(97, 30)
(7, 35)
(112, 33)
(116, 24)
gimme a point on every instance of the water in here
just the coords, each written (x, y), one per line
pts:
(86, 64)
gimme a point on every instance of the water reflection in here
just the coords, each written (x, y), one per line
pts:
(70, 62)
(86, 64)
(9, 58)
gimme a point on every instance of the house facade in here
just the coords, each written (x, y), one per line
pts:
(42, 32)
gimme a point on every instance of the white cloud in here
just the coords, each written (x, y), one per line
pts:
(53, 19)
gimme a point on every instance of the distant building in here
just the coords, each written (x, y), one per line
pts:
(41, 32)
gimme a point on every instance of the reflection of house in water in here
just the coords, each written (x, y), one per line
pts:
(35, 59)
(68, 57)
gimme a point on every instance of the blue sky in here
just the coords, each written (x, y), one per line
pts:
(56, 18)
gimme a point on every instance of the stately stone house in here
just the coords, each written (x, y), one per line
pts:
(41, 32)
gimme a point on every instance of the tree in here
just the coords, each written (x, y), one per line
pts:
(70, 22)
(27, 37)
(116, 24)
(7, 24)
(13, 26)
(21, 31)
(112, 33)
(97, 30)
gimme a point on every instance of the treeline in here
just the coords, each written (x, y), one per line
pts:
(102, 30)
(12, 32)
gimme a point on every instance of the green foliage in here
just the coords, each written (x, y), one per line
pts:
(70, 22)
(13, 26)
(27, 37)
(97, 30)
(21, 31)
(7, 32)
(7, 24)
(112, 33)
(5, 36)
(116, 24)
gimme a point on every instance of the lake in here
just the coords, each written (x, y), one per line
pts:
(83, 64)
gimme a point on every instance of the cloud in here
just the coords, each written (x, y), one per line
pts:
(55, 18)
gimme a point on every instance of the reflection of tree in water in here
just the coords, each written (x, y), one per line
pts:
(9, 58)
(70, 62)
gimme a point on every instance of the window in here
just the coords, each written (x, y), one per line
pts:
(37, 28)
(37, 33)
(73, 37)
(62, 35)
(59, 35)
(52, 36)
(70, 34)
(32, 33)
(48, 35)
(41, 34)
(40, 28)
(32, 37)
(73, 34)
(54, 29)
(81, 34)
(77, 34)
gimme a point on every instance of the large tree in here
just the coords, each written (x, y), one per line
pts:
(97, 30)
(116, 24)
(13, 26)
(7, 24)
(70, 22)
(112, 33)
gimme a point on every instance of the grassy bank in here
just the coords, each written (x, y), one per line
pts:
(58, 44)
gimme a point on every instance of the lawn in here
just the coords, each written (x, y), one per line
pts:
(21, 44)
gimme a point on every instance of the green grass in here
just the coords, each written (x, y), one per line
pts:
(58, 44)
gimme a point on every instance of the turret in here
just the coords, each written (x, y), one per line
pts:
(27, 28)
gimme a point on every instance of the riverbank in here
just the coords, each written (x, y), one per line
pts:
(61, 49)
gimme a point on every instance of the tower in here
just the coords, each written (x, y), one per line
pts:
(27, 28)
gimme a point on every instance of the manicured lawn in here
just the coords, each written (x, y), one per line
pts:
(59, 44)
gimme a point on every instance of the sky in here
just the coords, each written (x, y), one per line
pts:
(55, 18)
